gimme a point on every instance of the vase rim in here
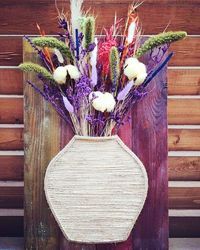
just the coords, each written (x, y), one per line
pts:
(85, 137)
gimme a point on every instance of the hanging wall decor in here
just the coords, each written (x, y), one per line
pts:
(96, 186)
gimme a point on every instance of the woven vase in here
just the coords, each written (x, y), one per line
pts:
(96, 188)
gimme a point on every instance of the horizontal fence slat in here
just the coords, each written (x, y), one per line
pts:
(184, 168)
(184, 139)
(180, 111)
(184, 227)
(11, 226)
(11, 168)
(11, 82)
(178, 139)
(180, 81)
(11, 197)
(11, 139)
(151, 12)
(11, 243)
(184, 55)
(183, 81)
(184, 111)
(184, 198)
(11, 110)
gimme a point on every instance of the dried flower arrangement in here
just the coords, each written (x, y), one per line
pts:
(91, 82)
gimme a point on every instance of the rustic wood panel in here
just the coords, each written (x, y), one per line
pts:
(184, 111)
(41, 135)
(11, 197)
(11, 139)
(184, 81)
(184, 56)
(184, 139)
(150, 145)
(11, 168)
(11, 226)
(11, 110)
(184, 227)
(184, 168)
(180, 111)
(161, 12)
(184, 197)
(11, 82)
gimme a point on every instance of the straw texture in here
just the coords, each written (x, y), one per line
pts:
(96, 188)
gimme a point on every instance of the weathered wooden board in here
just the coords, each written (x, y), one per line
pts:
(41, 135)
(11, 226)
(11, 168)
(184, 168)
(184, 81)
(184, 56)
(11, 139)
(160, 12)
(11, 81)
(11, 243)
(11, 197)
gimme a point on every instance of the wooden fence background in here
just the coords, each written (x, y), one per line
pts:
(20, 17)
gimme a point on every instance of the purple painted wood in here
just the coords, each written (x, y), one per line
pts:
(149, 125)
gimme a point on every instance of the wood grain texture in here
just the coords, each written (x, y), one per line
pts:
(11, 82)
(111, 210)
(149, 119)
(184, 111)
(180, 111)
(184, 197)
(11, 168)
(11, 139)
(184, 168)
(11, 243)
(11, 110)
(184, 81)
(41, 134)
(184, 56)
(11, 197)
(179, 13)
(184, 227)
(184, 139)
(11, 226)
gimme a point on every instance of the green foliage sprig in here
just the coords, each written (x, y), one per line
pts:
(160, 39)
(114, 66)
(88, 27)
(52, 42)
(32, 67)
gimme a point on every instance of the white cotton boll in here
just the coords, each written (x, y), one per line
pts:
(131, 61)
(59, 55)
(60, 75)
(109, 101)
(97, 100)
(140, 79)
(73, 72)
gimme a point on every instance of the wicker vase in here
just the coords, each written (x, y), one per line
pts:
(96, 189)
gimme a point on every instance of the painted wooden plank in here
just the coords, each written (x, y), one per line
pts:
(41, 135)
(184, 168)
(11, 110)
(11, 139)
(11, 243)
(184, 197)
(11, 81)
(184, 81)
(182, 227)
(150, 145)
(152, 11)
(11, 168)
(11, 197)
(184, 139)
(184, 56)
(184, 111)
